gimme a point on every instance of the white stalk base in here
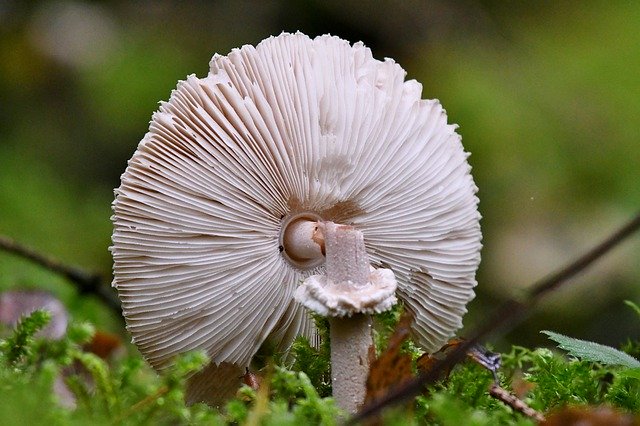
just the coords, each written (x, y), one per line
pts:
(351, 342)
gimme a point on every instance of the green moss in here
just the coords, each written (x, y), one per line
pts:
(315, 361)
(17, 347)
(624, 392)
(128, 392)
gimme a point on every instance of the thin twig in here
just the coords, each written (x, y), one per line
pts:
(510, 314)
(574, 268)
(85, 282)
(514, 402)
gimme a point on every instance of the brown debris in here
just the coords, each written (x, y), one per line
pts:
(392, 368)
(514, 402)
(251, 379)
(591, 416)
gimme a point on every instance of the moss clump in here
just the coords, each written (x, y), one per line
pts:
(127, 391)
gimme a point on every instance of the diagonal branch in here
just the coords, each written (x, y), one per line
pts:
(510, 314)
(86, 282)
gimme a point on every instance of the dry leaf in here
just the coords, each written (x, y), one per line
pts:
(392, 368)
(590, 416)
(104, 344)
(251, 379)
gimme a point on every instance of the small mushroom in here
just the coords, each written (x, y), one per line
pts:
(18, 303)
(216, 218)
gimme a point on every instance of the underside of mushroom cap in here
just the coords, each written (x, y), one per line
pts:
(291, 125)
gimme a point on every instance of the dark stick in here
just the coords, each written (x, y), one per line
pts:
(85, 282)
(514, 402)
(559, 278)
(510, 314)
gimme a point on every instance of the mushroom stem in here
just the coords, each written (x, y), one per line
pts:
(349, 293)
(350, 345)
(347, 262)
(348, 266)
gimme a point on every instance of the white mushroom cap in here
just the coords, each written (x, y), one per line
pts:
(293, 126)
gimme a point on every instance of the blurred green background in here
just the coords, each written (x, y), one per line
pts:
(547, 96)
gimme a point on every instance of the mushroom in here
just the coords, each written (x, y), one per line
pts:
(18, 303)
(216, 218)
